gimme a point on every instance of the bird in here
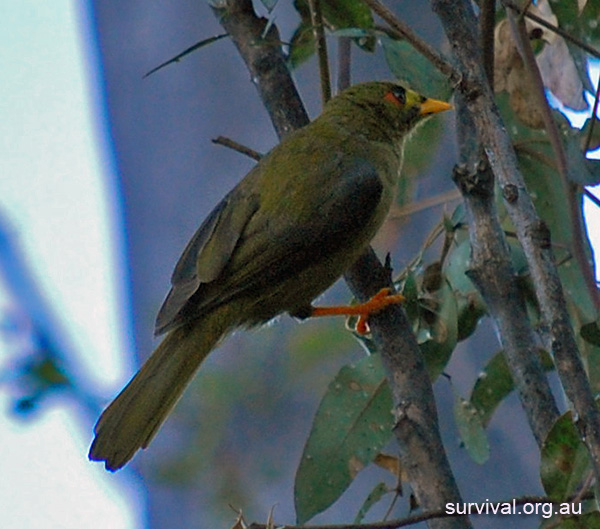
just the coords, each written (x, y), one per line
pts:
(283, 235)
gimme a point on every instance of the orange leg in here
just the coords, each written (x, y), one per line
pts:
(379, 301)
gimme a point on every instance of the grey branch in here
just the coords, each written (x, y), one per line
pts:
(417, 429)
(458, 20)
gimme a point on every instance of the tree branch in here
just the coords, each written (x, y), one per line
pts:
(234, 145)
(416, 430)
(559, 31)
(316, 18)
(492, 272)
(405, 32)
(458, 20)
(441, 513)
(263, 56)
(577, 250)
(422, 453)
(487, 21)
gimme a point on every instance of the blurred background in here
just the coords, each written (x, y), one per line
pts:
(104, 176)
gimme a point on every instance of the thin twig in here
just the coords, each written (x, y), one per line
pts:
(344, 63)
(405, 32)
(232, 144)
(321, 48)
(185, 52)
(441, 513)
(592, 197)
(588, 139)
(525, 10)
(487, 21)
(556, 29)
(398, 212)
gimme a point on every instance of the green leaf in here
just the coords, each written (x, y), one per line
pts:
(353, 422)
(353, 33)
(593, 169)
(580, 168)
(582, 25)
(590, 520)
(470, 305)
(438, 338)
(347, 14)
(592, 125)
(411, 67)
(590, 332)
(470, 428)
(338, 15)
(495, 383)
(187, 51)
(302, 46)
(374, 496)
(564, 459)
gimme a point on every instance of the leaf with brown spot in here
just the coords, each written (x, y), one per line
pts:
(353, 422)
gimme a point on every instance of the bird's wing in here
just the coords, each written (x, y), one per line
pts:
(299, 236)
(245, 247)
(207, 253)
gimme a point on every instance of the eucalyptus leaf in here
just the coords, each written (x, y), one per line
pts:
(564, 459)
(411, 67)
(590, 332)
(302, 45)
(495, 383)
(470, 428)
(584, 25)
(443, 332)
(353, 422)
(589, 520)
(380, 490)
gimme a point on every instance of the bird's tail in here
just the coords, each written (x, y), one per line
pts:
(134, 417)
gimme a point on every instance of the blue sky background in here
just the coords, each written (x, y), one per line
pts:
(56, 196)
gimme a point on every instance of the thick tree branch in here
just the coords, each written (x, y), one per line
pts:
(265, 61)
(575, 216)
(416, 429)
(492, 272)
(458, 20)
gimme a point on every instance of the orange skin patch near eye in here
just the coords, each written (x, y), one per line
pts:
(391, 98)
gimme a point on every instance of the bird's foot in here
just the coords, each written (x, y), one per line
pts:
(378, 302)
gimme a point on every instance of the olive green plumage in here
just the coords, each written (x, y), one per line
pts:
(280, 238)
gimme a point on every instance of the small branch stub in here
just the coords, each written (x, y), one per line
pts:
(510, 192)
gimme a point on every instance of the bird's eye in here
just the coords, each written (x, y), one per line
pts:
(400, 94)
(396, 95)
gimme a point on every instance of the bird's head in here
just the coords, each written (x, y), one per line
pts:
(384, 107)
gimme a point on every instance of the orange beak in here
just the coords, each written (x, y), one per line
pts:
(433, 106)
